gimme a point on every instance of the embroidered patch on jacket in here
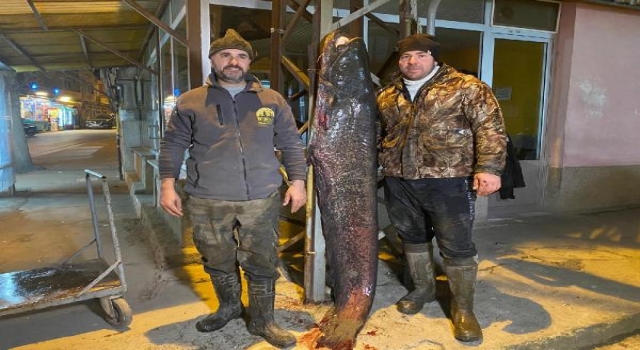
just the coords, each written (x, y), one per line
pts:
(265, 116)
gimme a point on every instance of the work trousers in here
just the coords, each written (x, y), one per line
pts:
(443, 208)
(229, 234)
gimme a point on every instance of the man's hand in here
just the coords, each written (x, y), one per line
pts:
(485, 183)
(170, 201)
(296, 195)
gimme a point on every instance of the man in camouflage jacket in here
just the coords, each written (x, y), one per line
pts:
(442, 143)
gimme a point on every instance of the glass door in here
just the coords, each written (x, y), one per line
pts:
(519, 76)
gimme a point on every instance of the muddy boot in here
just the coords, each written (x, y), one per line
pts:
(461, 274)
(261, 302)
(420, 262)
(227, 288)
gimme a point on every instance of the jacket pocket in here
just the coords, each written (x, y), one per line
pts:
(192, 172)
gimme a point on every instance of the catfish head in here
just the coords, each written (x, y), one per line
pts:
(344, 63)
(343, 60)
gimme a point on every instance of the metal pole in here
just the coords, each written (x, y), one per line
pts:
(92, 206)
(431, 16)
(315, 261)
(276, 76)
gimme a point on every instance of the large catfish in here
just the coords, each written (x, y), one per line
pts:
(342, 150)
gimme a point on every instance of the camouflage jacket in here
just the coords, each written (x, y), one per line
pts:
(453, 128)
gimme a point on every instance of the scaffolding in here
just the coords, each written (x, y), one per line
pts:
(322, 24)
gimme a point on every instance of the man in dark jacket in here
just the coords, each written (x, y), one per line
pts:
(231, 127)
(443, 142)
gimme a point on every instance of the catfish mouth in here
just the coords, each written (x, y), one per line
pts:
(335, 45)
(341, 43)
(342, 59)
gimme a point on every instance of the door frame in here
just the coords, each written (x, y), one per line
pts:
(535, 171)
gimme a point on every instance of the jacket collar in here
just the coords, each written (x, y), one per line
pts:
(253, 84)
(444, 70)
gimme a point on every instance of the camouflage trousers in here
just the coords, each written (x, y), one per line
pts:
(229, 234)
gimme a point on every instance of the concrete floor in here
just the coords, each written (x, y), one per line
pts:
(545, 282)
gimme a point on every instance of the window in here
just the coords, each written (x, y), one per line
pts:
(527, 14)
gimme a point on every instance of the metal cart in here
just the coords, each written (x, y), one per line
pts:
(72, 281)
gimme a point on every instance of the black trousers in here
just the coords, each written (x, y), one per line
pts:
(426, 208)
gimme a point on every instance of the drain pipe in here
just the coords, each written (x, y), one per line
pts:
(431, 16)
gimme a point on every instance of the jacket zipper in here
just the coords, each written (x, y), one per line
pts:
(244, 162)
(410, 138)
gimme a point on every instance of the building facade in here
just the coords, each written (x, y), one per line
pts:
(563, 73)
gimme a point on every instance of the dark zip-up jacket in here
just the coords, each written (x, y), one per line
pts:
(453, 128)
(231, 142)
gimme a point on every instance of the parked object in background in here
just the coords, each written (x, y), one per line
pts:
(101, 123)
(29, 126)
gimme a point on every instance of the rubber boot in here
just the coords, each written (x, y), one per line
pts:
(462, 274)
(421, 268)
(227, 288)
(261, 323)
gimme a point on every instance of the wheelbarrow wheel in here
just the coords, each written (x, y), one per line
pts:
(118, 312)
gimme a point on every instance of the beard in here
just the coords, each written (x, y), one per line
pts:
(231, 74)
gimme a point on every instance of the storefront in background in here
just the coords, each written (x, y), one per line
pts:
(62, 117)
(47, 114)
